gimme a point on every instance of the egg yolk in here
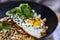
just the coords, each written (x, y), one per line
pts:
(30, 21)
(37, 23)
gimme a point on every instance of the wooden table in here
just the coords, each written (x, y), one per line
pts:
(58, 15)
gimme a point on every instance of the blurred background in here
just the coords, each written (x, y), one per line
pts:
(55, 6)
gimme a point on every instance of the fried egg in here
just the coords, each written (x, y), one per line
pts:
(33, 26)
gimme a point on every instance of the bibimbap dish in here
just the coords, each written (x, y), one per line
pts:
(25, 22)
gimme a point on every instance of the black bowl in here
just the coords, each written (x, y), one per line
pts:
(45, 12)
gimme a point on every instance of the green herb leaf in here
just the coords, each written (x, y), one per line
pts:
(4, 25)
(24, 10)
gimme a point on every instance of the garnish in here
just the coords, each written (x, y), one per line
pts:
(4, 25)
(23, 11)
